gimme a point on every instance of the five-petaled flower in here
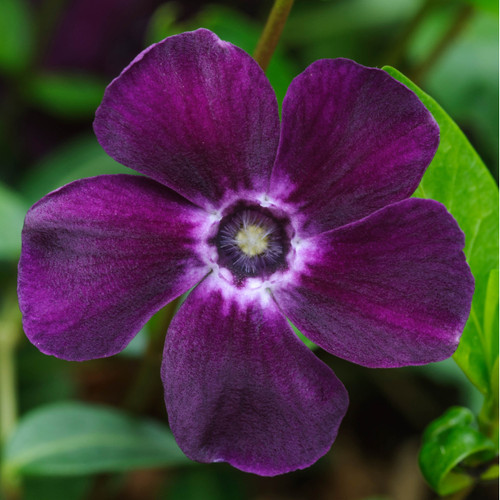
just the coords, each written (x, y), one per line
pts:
(308, 222)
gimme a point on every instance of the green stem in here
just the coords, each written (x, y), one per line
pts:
(9, 336)
(488, 417)
(450, 35)
(272, 32)
(8, 402)
(398, 49)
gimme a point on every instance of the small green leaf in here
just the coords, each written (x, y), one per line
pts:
(16, 33)
(66, 94)
(452, 450)
(78, 439)
(458, 178)
(12, 211)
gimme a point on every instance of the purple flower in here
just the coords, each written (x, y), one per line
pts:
(310, 223)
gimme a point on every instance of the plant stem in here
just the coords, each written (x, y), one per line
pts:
(272, 32)
(8, 403)
(9, 336)
(450, 35)
(398, 49)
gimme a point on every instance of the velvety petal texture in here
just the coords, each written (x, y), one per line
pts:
(194, 113)
(241, 388)
(353, 140)
(390, 290)
(309, 221)
(99, 257)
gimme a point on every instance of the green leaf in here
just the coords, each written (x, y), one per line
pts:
(65, 94)
(453, 450)
(12, 211)
(458, 178)
(78, 439)
(16, 34)
(490, 322)
(83, 157)
(487, 5)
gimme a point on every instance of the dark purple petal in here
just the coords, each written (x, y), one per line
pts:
(100, 256)
(353, 140)
(194, 113)
(241, 388)
(390, 290)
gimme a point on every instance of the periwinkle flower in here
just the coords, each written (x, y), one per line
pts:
(309, 222)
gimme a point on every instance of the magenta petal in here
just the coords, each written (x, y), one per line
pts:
(353, 140)
(194, 113)
(241, 388)
(100, 256)
(390, 290)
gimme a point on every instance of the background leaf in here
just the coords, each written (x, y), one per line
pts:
(66, 94)
(82, 157)
(463, 83)
(16, 35)
(12, 211)
(458, 178)
(77, 439)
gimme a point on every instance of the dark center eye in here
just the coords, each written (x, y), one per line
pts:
(252, 242)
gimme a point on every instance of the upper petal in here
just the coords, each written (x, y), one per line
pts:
(241, 388)
(194, 113)
(353, 140)
(390, 290)
(100, 256)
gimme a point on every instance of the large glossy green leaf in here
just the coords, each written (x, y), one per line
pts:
(453, 450)
(458, 178)
(77, 439)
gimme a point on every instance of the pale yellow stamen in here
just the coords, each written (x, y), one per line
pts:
(252, 240)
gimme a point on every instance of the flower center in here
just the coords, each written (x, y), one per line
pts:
(252, 241)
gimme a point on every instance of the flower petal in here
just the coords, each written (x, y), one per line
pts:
(353, 140)
(194, 113)
(390, 290)
(241, 388)
(100, 256)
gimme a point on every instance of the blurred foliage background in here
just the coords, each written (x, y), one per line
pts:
(57, 56)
